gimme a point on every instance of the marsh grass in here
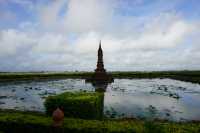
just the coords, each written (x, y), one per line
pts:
(189, 76)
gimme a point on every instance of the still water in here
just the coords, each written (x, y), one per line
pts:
(125, 98)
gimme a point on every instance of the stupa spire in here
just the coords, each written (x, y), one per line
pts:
(100, 65)
(100, 44)
(100, 74)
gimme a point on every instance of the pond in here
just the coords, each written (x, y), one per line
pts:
(125, 98)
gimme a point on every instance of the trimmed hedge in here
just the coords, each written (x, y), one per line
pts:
(77, 104)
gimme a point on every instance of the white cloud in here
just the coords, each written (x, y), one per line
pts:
(49, 13)
(70, 39)
(169, 38)
(87, 16)
(12, 40)
(75, 15)
(50, 43)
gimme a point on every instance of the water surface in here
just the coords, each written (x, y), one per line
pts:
(125, 98)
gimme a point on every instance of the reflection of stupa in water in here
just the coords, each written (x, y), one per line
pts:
(101, 78)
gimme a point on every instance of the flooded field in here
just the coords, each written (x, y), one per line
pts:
(125, 98)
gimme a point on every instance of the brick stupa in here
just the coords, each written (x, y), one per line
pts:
(100, 74)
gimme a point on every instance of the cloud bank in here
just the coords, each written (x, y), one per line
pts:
(63, 35)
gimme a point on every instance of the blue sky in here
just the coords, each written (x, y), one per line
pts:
(59, 35)
(26, 10)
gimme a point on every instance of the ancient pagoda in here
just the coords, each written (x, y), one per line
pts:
(100, 74)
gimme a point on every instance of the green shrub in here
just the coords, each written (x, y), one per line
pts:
(78, 104)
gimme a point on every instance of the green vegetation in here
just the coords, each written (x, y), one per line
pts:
(19, 122)
(77, 104)
(42, 75)
(190, 76)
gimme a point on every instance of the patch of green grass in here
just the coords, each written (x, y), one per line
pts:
(19, 122)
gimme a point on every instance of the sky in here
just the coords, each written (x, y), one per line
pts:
(63, 35)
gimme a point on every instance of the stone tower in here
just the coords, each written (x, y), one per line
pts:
(100, 65)
(100, 75)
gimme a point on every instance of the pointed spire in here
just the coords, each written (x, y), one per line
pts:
(100, 49)
(100, 44)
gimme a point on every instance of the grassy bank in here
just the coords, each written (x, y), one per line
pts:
(42, 75)
(190, 76)
(35, 123)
